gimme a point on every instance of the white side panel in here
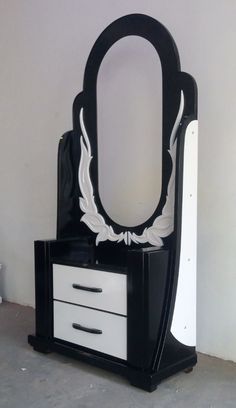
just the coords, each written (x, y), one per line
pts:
(184, 319)
(112, 341)
(113, 297)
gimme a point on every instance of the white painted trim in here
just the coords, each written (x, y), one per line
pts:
(184, 319)
(162, 226)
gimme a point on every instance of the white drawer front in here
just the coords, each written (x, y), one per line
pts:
(114, 288)
(112, 341)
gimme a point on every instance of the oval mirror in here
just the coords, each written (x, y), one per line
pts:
(129, 129)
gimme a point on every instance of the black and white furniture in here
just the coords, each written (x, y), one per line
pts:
(123, 298)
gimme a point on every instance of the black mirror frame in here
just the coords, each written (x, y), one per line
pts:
(174, 83)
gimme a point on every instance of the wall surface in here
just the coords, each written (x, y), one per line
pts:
(43, 50)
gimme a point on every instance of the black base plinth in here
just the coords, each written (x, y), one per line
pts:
(146, 380)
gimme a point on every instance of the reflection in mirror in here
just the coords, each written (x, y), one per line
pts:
(129, 123)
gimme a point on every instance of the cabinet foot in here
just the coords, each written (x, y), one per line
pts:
(144, 386)
(188, 370)
(38, 345)
(143, 380)
(41, 350)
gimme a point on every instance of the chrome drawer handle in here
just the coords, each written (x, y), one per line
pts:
(87, 288)
(86, 329)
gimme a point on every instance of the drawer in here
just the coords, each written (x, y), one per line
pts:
(111, 337)
(111, 294)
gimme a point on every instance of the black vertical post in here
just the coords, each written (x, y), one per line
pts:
(147, 274)
(44, 290)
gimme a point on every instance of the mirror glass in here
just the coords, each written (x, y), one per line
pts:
(129, 124)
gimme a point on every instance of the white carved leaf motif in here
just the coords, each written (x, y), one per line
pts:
(162, 226)
(91, 216)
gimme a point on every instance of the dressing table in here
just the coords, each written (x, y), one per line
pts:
(118, 297)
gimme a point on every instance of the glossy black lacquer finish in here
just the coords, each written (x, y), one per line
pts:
(152, 273)
(159, 37)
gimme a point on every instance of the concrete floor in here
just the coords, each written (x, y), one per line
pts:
(33, 380)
